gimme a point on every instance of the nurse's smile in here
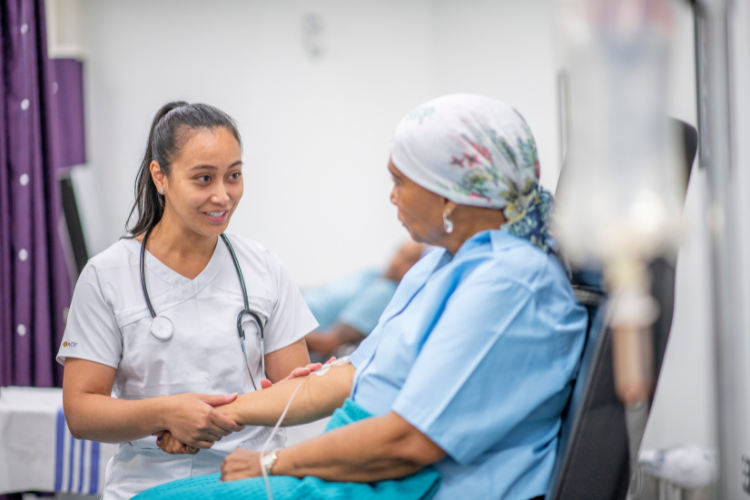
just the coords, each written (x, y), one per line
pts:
(217, 217)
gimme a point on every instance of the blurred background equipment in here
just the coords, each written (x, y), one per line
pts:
(621, 206)
(722, 49)
(620, 200)
(594, 452)
(67, 92)
(312, 34)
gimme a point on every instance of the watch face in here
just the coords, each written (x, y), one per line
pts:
(268, 460)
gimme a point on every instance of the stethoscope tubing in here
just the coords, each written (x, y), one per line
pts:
(143, 274)
(247, 310)
(246, 303)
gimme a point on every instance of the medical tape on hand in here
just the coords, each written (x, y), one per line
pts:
(324, 369)
(319, 372)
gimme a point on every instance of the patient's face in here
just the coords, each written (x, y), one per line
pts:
(419, 210)
(205, 184)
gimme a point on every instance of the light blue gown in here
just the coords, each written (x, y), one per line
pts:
(478, 352)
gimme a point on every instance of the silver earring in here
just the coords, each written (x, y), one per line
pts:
(161, 191)
(447, 223)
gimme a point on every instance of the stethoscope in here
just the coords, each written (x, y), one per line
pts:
(161, 326)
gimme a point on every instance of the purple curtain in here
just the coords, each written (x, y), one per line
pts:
(35, 284)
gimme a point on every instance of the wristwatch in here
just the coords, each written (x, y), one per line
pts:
(268, 460)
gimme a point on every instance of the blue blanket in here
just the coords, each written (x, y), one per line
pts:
(419, 486)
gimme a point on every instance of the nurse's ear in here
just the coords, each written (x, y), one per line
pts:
(160, 180)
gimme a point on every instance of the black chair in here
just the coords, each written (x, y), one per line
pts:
(593, 458)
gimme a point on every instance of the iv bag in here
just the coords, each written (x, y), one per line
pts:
(620, 194)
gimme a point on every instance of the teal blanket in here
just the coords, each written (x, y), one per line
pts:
(419, 486)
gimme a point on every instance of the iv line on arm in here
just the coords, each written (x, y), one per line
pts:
(319, 372)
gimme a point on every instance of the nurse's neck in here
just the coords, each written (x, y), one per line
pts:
(181, 249)
(468, 221)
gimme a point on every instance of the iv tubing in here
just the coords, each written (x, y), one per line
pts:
(269, 493)
(319, 372)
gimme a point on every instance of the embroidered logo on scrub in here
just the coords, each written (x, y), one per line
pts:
(70, 344)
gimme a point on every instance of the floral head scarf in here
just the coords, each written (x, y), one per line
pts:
(477, 151)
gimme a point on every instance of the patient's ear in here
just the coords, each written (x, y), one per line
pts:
(449, 206)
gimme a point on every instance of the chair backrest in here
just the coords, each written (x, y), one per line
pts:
(593, 458)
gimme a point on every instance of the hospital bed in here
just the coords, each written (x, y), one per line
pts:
(593, 459)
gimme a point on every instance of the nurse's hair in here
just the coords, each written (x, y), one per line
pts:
(173, 125)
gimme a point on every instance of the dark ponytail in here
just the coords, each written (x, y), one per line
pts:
(170, 129)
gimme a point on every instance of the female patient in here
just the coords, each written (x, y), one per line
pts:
(471, 364)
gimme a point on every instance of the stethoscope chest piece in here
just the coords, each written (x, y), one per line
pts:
(161, 328)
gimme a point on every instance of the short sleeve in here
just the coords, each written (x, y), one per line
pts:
(494, 358)
(363, 311)
(290, 319)
(91, 332)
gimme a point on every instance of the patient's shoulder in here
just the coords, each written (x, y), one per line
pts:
(519, 260)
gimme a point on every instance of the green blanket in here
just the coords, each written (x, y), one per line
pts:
(419, 486)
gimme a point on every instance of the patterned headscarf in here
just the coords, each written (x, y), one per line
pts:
(477, 151)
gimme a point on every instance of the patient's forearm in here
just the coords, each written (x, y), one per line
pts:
(374, 449)
(317, 398)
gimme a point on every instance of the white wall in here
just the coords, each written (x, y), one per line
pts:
(316, 131)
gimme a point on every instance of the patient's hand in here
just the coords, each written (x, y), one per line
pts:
(241, 464)
(169, 444)
(302, 371)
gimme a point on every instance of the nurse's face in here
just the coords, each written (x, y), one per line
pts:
(419, 210)
(205, 183)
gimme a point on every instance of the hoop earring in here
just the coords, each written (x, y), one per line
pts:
(447, 223)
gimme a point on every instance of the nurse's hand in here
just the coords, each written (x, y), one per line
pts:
(241, 464)
(193, 420)
(167, 442)
(302, 371)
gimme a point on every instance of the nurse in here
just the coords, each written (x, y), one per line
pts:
(472, 362)
(170, 373)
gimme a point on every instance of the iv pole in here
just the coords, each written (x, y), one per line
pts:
(712, 58)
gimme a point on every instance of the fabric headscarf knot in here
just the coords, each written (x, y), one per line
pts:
(477, 151)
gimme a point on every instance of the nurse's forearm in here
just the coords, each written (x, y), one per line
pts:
(317, 398)
(110, 420)
(92, 413)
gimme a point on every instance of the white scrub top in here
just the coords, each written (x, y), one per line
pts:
(109, 323)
